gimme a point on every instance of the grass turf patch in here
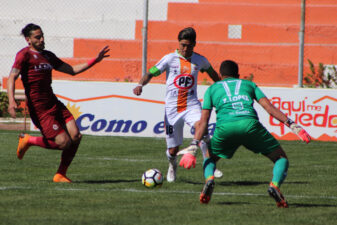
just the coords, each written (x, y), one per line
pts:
(107, 186)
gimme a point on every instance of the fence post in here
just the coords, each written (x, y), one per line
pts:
(301, 45)
(144, 32)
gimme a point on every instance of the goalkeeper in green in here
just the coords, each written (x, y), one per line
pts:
(237, 124)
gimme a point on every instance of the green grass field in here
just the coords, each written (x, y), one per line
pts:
(107, 186)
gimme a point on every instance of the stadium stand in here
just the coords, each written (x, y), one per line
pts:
(267, 45)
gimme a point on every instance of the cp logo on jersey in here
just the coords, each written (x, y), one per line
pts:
(184, 81)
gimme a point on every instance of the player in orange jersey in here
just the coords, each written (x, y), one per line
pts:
(181, 103)
(56, 123)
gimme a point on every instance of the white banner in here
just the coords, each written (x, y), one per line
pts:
(102, 108)
(314, 109)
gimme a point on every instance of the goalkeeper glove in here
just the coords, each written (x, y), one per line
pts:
(298, 130)
(189, 155)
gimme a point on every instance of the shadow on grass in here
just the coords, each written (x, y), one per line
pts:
(300, 205)
(239, 183)
(250, 183)
(291, 205)
(234, 203)
(105, 181)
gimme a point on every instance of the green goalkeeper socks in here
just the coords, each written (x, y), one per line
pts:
(280, 171)
(209, 167)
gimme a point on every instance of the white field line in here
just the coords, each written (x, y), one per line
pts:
(119, 159)
(169, 192)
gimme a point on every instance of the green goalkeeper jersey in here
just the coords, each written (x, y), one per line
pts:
(232, 99)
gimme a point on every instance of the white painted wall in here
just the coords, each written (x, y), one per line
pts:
(63, 20)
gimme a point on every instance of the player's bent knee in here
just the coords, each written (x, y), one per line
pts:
(63, 141)
(277, 154)
(64, 145)
(174, 150)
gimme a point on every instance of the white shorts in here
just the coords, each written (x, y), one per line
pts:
(174, 125)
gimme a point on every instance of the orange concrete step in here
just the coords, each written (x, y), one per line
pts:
(130, 71)
(112, 70)
(277, 2)
(281, 75)
(268, 53)
(122, 49)
(125, 70)
(87, 48)
(107, 70)
(252, 13)
(242, 52)
(257, 33)
(18, 84)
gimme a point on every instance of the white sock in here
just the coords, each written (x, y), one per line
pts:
(169, 156)
(203, 147)
(204, 144)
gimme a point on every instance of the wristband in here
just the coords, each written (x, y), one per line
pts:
(139, 85)
(288, 122)
(91, 62)
(194, 142)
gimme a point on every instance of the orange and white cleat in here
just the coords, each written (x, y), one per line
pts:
(60, 178)
(276, 194)
(22, 145)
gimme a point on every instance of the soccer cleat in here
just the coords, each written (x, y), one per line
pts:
(276, 194)
(172, 170)
(206, 193)
(22, 145)
(217, 173)
(60, 178)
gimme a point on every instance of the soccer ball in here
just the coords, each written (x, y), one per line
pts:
(152, 178)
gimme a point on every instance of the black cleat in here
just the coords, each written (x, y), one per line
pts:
(206, 193)
(276, 194)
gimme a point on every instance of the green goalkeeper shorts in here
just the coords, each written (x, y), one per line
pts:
(248, 132)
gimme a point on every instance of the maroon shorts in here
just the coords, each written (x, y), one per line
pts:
(53, 122)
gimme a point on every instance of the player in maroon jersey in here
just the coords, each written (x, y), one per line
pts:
(56, 123)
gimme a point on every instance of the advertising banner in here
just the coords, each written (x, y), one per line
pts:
(313, 109)
(103, 108)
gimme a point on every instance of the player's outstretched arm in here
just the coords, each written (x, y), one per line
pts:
(12, 106)
(143, 81)
(213, 74)
(73, 70)
(277, 114)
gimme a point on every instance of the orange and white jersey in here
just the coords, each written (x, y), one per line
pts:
(181, 80)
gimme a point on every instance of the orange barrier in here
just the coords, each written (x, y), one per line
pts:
(271, 64)
(118, 70)
(214, 51)
(130, 71)
(110, 70)
(251, 33)
(276, 2)
(18, 84)
(253, 13)
(130, 49)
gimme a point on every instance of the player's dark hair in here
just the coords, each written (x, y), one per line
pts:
(229, 68)
(187, 33)
(26, 31)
